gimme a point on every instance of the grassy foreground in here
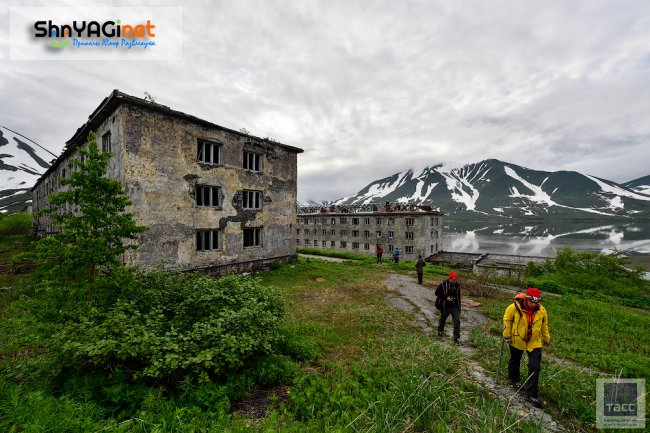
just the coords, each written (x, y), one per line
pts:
(358, 366)
(362, 369)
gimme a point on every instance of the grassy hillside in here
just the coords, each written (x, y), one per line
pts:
(347, 361)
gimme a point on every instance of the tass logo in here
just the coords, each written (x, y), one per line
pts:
(59, 34)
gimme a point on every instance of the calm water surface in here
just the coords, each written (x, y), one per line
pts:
(544, 240)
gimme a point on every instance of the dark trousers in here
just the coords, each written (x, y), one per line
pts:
(378, 258)
(419, 277)
(455, 316)
(534, 366)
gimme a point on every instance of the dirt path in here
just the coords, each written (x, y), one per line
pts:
(326, 258)
(419, 300)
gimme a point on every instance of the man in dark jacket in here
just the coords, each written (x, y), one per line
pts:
(379, 251)
(448, 302)
(419, 268)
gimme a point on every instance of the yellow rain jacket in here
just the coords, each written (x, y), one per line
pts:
(516, 327)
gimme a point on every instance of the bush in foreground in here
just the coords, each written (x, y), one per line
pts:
(169, 325)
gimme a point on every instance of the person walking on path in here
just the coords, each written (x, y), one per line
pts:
(419, 268)
(525, 324)
(379, 251)
(396, 254)
(448, 302)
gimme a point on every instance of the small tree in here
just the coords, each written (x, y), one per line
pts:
(95, 227)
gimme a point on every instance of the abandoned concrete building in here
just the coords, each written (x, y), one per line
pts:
(212, 198)
(416, 230)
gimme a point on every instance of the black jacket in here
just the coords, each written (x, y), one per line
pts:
(444, 290)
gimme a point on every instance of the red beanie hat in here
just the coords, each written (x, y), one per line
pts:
(534, 291)
(453, 275)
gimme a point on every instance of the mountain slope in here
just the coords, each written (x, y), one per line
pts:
(499, 188)
(22, 161)
(641, 185)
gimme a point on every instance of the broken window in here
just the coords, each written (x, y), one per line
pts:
(252, 161)
(366, 246)
(355, 221)
(106, 142)
(366, 220)
(208, 240)
(208, 196)
(391, 235)
(253, 237)
(391, 248)
(355, 233)
(355, 245)
(409, 235)
(208, 152)
(343, 244)
(366, 233)
(408, 249)
(252, 199)
(410, 221)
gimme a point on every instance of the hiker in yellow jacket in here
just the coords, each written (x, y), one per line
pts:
(526, 329)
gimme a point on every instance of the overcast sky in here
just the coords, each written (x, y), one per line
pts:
(370, 88)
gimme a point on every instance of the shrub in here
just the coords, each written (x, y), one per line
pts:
(169, 325)
(16, 224)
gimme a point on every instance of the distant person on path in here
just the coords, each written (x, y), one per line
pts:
(448, 302)
(419, 268)
(526, 329)
(396, 254)
(379, 251)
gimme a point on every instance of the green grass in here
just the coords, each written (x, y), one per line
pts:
(374, 373)
(350, 361)
(608, 337)
(589, 333)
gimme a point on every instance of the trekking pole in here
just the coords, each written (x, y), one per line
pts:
(500, 357)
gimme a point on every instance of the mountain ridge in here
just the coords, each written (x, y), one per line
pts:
(503, 189)
(22, 162)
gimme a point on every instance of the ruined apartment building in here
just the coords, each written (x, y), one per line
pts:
(416, 230)
(212, 198)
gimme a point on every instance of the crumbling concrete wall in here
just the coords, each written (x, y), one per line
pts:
(160, 170)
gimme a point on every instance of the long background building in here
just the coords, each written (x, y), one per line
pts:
(211, 197)
(416, 230)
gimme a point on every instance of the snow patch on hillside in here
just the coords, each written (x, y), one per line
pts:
(617, 190)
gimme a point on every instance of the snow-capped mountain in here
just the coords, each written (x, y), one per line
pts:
(499, 188)
(22, 161)
(640, 185)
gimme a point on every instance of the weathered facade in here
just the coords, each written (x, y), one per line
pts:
(211, 197)
(416, 230)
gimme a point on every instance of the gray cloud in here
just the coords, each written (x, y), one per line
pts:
(370, 88)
